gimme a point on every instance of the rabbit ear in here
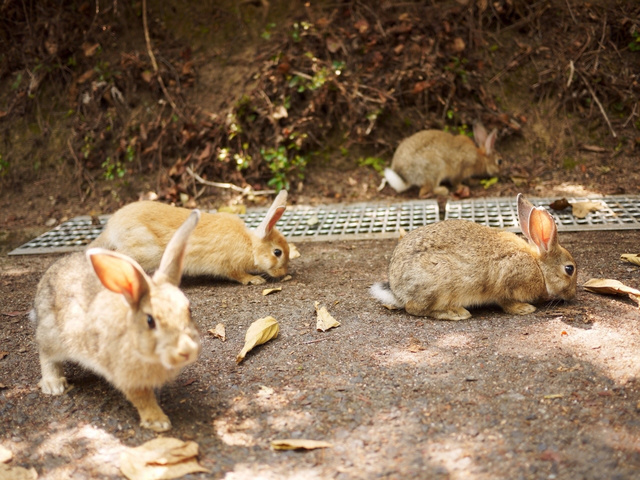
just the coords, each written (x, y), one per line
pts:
(274, 214)
(479, 134)
(120, 274)
(173, 257)
(490, 141)
(537, 225)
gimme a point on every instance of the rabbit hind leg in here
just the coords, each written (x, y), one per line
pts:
(427, 189)
(453, 313)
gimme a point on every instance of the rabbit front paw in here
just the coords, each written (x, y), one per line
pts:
(53, 385)
(159, 423)
(518, 308)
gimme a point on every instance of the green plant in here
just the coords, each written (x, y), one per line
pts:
(488, 182)
(378, 164)
(266, 35)
(634, 45)
(284, 160)
(113, 169)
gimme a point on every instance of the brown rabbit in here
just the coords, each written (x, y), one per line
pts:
(440, 269)
(100, 310)
(221, 245)
(430, 157)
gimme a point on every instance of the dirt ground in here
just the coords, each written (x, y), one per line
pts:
(554, 394)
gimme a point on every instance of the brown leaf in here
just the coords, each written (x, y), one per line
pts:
(147, 76)
(611, 287)
(362, 26)
(333, 45)
(269, 291)
(631, 258)
(259, 332)
(161, 458)
(299, 444)
(219, 332)
(325, 321)
(415, 345)
(89, 49)
(3, 354)
(560, 204)
(86, 76)
(9, 472)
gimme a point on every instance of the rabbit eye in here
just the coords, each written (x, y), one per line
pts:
(569, 269)
(151, 322)
(499, 161)
(277, 252)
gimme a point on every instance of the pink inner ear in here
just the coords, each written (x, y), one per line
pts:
(118, 275)
(274, 219)
(542, 228)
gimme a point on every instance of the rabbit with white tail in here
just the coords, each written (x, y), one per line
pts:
(430, 157)
(439, 269)
(221, 245)
(102, 311)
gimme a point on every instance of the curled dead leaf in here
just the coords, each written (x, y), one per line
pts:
(268, 291)
(631, 258)
(161, 458)
(560, 204)
(582, 209)
(293, 252)
(325, 320)
(259, 332)
(299, 444)
(219, 332)
(608, 286)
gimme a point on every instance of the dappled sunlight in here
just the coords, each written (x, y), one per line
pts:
(566, 189)
(272, 472)
(100, 451)
(240, 434)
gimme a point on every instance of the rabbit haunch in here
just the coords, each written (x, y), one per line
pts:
(221, 245)
(440, 269)
(429, 157)
(102, 311)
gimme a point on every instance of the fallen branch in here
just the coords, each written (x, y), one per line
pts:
(154, 63)
(595, 99)
(230, 186)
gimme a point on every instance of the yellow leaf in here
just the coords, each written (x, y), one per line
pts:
(631, 257)
(325, 320)
(10, 472)
(219, 332)
(609, 287)
(553, 395)
(259, 332)
(161, 458)
(267, 291)
(582, 209)
(298, 444)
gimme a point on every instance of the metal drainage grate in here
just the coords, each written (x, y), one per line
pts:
(617, 213)
(299, 223)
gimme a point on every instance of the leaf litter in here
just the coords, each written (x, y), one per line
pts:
(325, 319)
(299, 444)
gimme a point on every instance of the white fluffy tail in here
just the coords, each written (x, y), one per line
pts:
(382, 292)
(396, 182)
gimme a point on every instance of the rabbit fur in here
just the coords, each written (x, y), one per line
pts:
(439, 269)
(430, 157)
(221, 245)
(102, 311)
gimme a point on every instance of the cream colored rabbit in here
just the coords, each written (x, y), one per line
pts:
(221, 245)
(430, 157)
(100, 310)
(440, 269)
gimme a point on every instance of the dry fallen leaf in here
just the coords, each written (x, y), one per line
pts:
(267, 291)
(219, 332)
(608, 286)
(259, 332)
(161, 458)
(582, 209)
(5, 454)
(325, 320)
(9, 472)
(560, 204)
(298, 444)
(631, 258)
(415, 345)
(293, 251)
(553, 395)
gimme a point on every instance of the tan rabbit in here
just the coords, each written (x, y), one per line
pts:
(440, 269)
(100, 310)
(430, 157)
(221, 245)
